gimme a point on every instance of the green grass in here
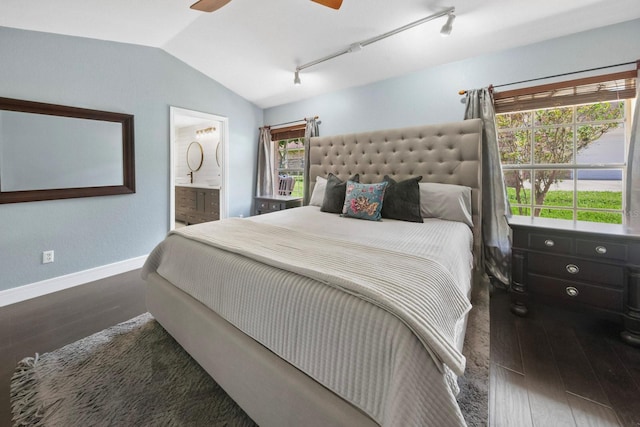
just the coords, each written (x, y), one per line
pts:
(586, 199)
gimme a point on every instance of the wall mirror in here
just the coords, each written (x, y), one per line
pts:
(50, 151)
(195, 156)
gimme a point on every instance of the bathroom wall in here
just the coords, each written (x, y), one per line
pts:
(210, 172)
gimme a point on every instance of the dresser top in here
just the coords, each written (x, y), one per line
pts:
(569, 225)
(279, 198)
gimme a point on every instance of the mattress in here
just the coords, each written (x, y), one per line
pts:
(362, 353)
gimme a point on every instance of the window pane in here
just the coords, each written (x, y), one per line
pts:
(553, 145)
(515, 146)
(554, 116)
(553, 187)
(602, 143)
(518, 185)
(555, 213)
(600, 111)
(600, 188)
(513, 120)
(298, 186)
(609, 217)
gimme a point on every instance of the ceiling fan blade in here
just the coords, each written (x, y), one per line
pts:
(209, 5)
(334, 4)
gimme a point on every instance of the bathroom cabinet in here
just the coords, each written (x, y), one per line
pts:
(197, 204)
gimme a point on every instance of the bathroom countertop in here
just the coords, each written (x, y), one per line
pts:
(200, 185)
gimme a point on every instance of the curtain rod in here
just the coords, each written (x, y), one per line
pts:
(491, 87)
(287, 123)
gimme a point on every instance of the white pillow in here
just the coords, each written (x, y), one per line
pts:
(318, 192)
(446, 201)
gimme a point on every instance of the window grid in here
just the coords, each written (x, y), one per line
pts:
(529, 125)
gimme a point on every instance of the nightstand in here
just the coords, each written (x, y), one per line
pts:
(578, 265)
(266, 204)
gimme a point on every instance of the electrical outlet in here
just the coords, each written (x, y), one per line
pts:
(47, 257)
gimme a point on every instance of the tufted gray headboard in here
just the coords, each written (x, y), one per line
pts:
(449, 153)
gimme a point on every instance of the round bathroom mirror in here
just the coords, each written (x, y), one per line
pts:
(218, 154)
(195, 156)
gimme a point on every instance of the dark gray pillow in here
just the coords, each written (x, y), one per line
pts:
(333, 200)
(402, 199)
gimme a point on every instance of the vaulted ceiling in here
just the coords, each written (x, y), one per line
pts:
(253, 46)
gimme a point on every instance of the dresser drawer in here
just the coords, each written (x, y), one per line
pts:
(601, 250)
(576, 269)
(596, 296)
(549, 243)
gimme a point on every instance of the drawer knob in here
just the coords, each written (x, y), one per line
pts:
(549, 243)
(573, 269)
(601, 250)
(571, 291)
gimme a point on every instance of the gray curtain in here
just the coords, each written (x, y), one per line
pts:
(495, 205)
(310, 131)
(266, 170)
(632, 194)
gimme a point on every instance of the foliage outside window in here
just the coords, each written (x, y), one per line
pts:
(566, 162)
(290, 162)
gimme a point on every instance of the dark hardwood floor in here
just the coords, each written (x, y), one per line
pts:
(555, 368)
(549, 369)
(52, 321)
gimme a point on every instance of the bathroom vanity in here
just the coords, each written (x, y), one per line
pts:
(197, 203)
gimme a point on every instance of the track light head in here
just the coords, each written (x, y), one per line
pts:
(296, 79)
(446, 28)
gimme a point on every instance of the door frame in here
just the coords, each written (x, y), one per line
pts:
(224, 163)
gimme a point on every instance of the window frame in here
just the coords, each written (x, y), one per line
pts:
(532, 167)
(295, 172)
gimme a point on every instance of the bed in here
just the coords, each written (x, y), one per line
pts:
(310, 318)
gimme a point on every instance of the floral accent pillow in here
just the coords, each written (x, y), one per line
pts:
(364, 201)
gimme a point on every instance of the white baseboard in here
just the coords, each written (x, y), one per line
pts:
(33, 290)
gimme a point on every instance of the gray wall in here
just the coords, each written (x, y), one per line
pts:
(91, 232)
(431, 95)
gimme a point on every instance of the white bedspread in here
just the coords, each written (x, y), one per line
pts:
(353, 347)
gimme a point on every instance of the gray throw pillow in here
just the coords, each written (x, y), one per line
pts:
(333, 200)
(402, 199)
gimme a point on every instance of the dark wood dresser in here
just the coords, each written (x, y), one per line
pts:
(197, 204)
(266, 204)
(579, 265)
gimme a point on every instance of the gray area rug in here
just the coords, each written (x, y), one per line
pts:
(135, 374)
(474, 385)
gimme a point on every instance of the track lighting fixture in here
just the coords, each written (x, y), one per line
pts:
(356, 47)
(446, 28)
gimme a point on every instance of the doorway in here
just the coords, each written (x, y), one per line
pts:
(197, 159)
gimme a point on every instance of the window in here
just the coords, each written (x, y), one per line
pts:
(289, 160)
(290, 164)
(563, 147)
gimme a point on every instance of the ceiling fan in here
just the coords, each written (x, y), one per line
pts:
(213, 5)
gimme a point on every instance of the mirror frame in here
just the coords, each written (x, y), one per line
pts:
(197, 144)
(128, 185)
